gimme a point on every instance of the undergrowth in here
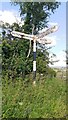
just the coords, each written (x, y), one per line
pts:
(21, 99)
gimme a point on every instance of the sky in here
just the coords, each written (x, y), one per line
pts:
(10, 14)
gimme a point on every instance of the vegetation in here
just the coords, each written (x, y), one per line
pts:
(47, 99)
(30, 11)
(15, 50)
(21, 99)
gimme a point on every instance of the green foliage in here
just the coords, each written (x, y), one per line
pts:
(16, 64)
(20, 98)
(36, 13)
(14, 57)
(46, 100)
(14, 50)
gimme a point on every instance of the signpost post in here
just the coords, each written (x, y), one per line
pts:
(40, 38)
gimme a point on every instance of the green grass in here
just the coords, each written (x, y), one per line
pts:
(22, 99)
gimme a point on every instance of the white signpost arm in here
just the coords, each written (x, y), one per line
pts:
(48, 31)
(39, 38)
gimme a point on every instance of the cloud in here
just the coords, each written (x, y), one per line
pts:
(52, 23)
(62, 58)
(53, 39)
(9, 17)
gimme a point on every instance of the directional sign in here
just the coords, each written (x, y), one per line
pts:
(39, 37)
(48, 31)
(36, 38)
(31, 37)
(14, 33)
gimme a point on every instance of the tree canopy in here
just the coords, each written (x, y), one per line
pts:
(36, 13)
(15, 50)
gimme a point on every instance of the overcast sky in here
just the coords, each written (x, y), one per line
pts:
(10, 14)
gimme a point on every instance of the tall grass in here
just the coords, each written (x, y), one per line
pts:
(47, 99)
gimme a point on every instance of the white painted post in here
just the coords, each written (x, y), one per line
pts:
(34, 60)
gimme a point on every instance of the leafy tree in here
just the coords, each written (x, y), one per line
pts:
(15, 50)
(36, 13)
